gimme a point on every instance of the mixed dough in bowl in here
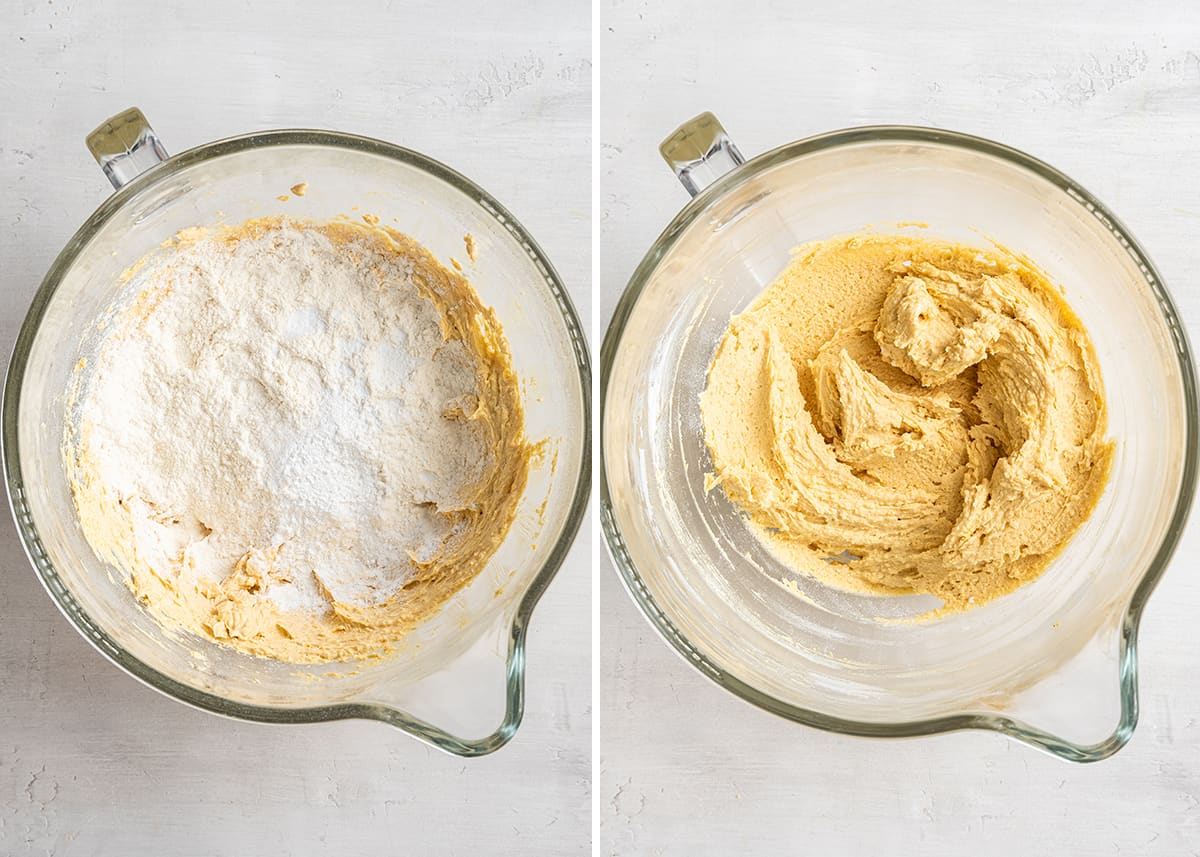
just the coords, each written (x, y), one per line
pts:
(906, 415)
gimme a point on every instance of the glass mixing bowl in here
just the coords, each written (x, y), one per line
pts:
(461, 673)
(1053, 664)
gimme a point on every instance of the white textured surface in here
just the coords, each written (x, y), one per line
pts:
(1109, 93)
(93, 763)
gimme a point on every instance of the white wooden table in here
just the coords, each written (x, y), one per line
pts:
(92, 762)
(1110, 93)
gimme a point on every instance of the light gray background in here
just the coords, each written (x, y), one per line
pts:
(1109, 93)
(92, 762)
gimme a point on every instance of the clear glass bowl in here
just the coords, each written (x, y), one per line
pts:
(459, 675)
(1053, 664)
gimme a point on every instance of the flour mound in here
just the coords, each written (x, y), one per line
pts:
(289, 404)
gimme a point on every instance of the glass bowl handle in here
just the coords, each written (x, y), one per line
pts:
(700, 152)
(125, 146)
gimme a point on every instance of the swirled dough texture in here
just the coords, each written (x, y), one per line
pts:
(929, 415)
(298, 439)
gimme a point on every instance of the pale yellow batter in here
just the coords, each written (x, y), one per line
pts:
(928, 414)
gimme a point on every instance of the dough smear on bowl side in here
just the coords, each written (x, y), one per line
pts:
(929, 415)
(298, 439)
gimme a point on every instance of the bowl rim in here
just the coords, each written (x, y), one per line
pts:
(102, 642)
(1128, 660)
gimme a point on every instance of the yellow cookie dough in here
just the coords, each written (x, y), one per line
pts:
(929, 415)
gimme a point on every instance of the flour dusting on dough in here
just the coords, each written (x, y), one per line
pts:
(297, 439)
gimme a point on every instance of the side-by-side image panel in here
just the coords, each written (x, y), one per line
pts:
(899, 429)
(297, 429)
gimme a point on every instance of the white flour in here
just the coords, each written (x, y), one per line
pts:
(282, 398)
